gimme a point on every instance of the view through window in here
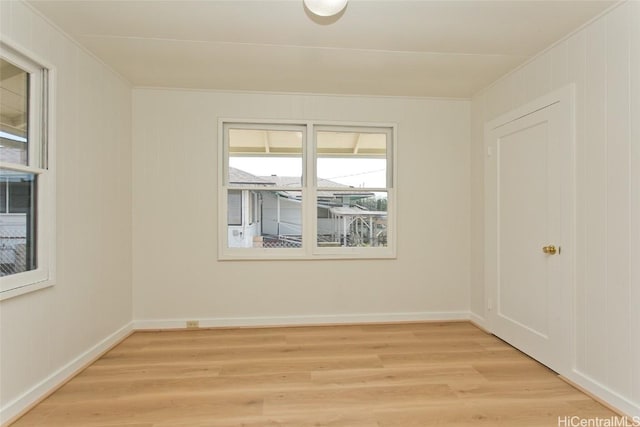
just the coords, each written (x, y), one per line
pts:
(284, 192)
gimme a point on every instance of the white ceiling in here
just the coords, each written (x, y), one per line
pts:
(394, 47)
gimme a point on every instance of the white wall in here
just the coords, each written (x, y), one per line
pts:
(176, 272)
(47, 334)
(603, 61)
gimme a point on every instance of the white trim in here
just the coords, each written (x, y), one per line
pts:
(22, 168)
(24, 402)
(601, 391)
(320, 319)
(478, 320)
(45, 273)
(565, 94)
(25, 289)
(300, 94)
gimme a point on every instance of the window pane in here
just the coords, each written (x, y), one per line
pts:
(4, 192)
(234, 213)
(17, 227)
(351, 159)
(352, 219)
(265, 157)
(268, 219)
(14, 95)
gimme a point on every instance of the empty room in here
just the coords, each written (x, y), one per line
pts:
(358, 213)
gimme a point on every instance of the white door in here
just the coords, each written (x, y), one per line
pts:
(529, 193)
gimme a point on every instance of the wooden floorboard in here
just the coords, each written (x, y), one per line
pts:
(404, 375)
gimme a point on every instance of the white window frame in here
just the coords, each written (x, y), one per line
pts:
(310, 249)
(40, 163)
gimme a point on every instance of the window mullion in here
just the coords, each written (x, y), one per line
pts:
(391, 154)
(43, 125)
(310, 193)
(33, 114)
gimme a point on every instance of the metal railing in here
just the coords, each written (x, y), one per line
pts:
(13, 254)
(281, 241)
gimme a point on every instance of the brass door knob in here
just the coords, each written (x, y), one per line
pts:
(550, 250)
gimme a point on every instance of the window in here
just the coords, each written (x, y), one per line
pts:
(306, 190)
(25, 190)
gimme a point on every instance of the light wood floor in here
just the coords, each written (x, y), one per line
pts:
(428, 374)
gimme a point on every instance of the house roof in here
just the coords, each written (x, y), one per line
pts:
(240, 177)
(290, 181)
(283, 181)
(294, 181)
(243, 179)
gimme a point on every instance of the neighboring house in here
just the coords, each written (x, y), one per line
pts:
(273, 218)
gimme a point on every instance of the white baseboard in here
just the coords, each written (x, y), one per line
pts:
(217, 322)
(479, 321)
(16, 407)
(604, 394)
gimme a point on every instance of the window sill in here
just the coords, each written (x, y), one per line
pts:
(320, 254)
(22, 290)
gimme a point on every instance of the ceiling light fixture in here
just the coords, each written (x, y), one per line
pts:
(325, 7)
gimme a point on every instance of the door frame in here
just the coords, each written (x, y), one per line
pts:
(564, 96)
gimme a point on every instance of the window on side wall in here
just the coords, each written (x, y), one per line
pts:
(26, 263)
(306, 190)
